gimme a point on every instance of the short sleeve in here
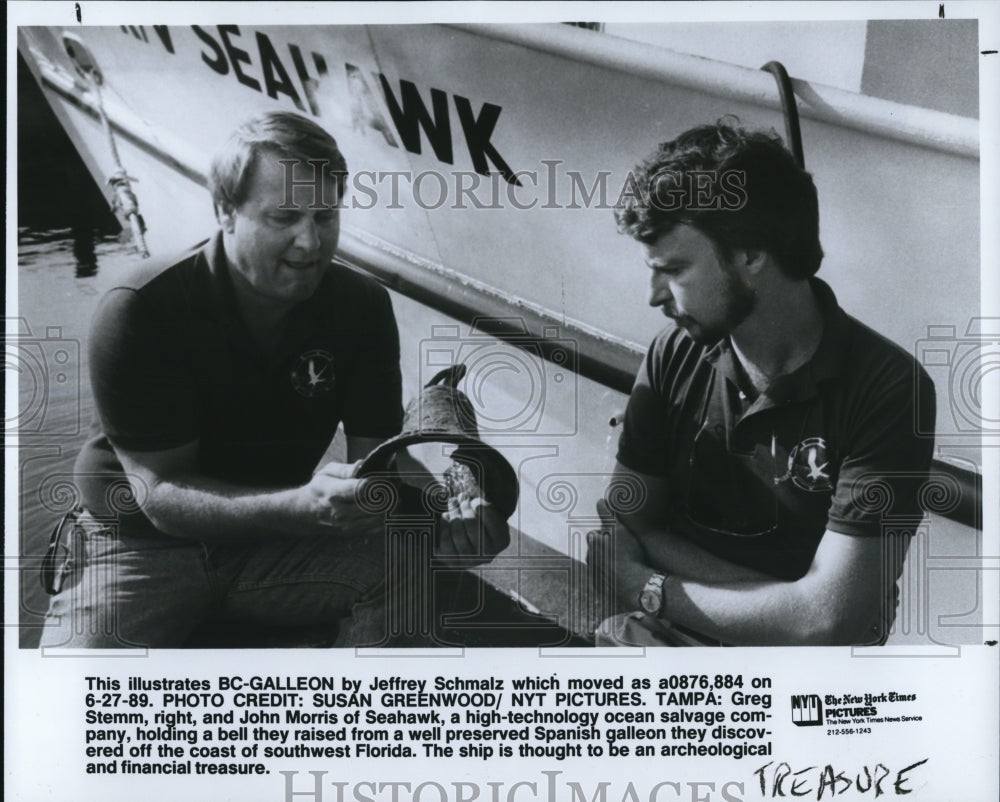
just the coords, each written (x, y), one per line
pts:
(643, 440)
(372, 405)
(144, 393)
(886, 461)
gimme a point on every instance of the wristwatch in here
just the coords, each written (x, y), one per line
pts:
(651, 597)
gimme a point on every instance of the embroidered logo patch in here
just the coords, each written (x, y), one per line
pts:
(809, 465)
(312, 374)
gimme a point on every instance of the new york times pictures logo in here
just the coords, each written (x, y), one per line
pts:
(807, 710)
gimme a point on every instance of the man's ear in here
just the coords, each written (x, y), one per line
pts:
(226, 215)
(754, 260)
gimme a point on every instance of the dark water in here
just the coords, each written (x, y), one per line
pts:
(67, 253)
(55, 191)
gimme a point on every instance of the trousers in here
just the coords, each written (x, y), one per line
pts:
(132, 592)
(642, 629)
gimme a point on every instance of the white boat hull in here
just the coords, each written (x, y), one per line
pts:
(566, 102)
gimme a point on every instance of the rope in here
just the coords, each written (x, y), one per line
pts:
(124, 201)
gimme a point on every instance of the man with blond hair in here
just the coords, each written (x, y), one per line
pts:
(220, 379)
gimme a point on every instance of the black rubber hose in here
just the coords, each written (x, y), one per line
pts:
(791, 111)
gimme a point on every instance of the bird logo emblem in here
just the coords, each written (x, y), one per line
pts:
(809, 465)
(312, 374)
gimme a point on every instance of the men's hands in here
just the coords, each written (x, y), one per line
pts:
(471, 532)
(332, 500)
(617, 560)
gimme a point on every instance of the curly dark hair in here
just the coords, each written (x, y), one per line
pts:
(742, 189)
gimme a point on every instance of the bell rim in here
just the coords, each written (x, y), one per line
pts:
(377, 460)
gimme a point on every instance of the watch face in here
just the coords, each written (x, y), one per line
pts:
(650, 601)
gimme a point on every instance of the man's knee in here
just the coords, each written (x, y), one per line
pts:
(122, 598)
(631, 629)
(71, 624)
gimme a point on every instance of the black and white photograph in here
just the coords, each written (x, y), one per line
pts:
(385, 381)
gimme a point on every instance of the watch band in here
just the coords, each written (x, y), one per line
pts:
(651, 597)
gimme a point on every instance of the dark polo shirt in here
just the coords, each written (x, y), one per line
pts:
(832, 445)
(171, 362)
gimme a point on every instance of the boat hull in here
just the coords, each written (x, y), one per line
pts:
(484, 166)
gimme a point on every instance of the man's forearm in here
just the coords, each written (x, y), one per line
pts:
(733, 611)
(675, 554)
(758, 613)
(209, 510)
(739, 605)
